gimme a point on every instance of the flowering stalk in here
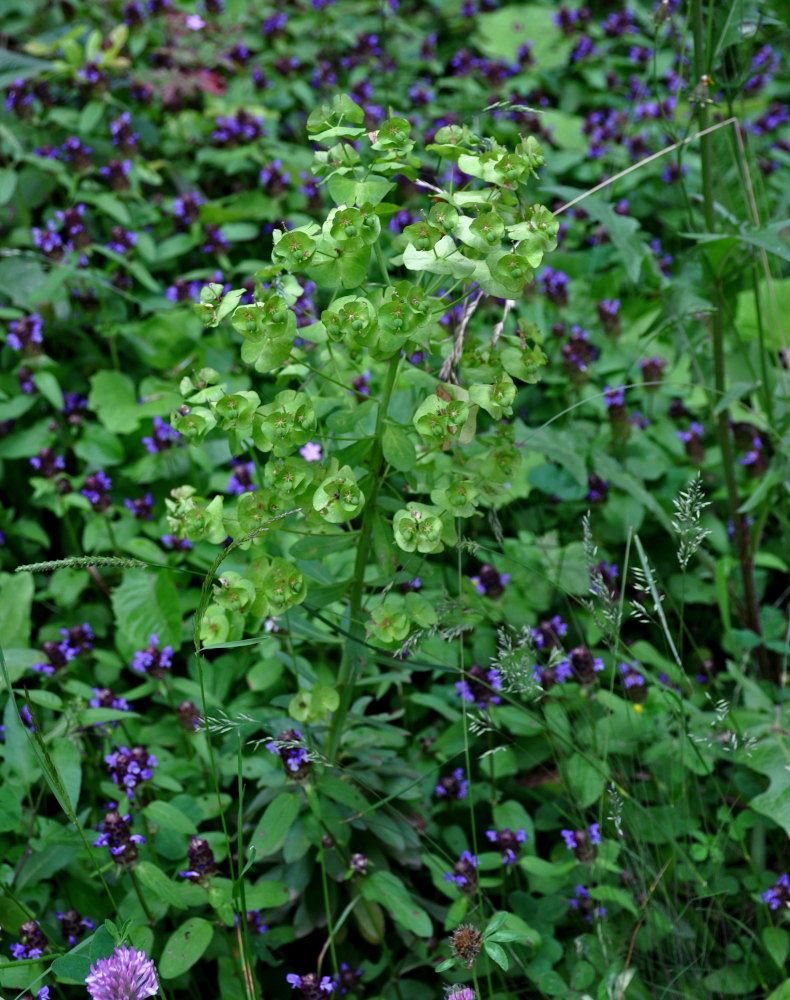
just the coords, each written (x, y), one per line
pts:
(722, 416)
(355, 656)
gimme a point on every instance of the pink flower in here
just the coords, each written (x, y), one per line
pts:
(311, 452)
(195, 22)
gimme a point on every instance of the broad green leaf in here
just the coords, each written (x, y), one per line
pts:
(398, 449)
(16, 598)
(10, 810)
(166, 815)
(273, 826)
(66, 758)
(147, 602)
(497, 954)
(388, 890)
(776, 943)
(159, 884)
(265, 895)
(114, 400)
(585, 780)
(184, 947)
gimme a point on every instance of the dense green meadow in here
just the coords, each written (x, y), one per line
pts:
(394, 439)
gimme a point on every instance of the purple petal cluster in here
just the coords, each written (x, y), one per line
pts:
(127, 974)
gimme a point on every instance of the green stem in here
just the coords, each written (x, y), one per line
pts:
(146, 911)
(381, 262)
(356, 656)
(721, 417)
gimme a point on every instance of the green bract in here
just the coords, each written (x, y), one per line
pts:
(338, 498)
(419, 528)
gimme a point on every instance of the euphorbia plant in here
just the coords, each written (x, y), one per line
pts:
(374, 428)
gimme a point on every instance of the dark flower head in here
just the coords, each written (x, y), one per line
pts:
(73, 926)
(480, 686)
(26, 334)
(489, 582)
(464, 874)
(779, 893)
(32, 942)
(116, 835)
(58, 654)
(313, 986)
(597, 488)
(189, 716)
(584, 665)
(200, 859)
(241, 480)
(548, 633)
(582, 902)
(508, 843)
(152, 660)
(289, 748)
(142, 508)
(583, 842)
(254, 923)
(127, 974)
(130, 767)
(96, 489)
(465, 944)
(454, 786)
(164, 437)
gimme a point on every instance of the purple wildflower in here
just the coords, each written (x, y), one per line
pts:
(479, 686)
(294, 755)
(241, 480)
(454, 786)
(96, 490)
(201, 862)
(142, 508)
(581, 901)
(463, 873)
(127, 974)
(152, 660)
(73, 926)
(24, 333)
(164, 437)
(128, 768)
(779, 893)
(508, 843)
(312, 986)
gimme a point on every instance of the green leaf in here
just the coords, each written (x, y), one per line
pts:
(388, 890)
(273, 826)
(166, 815)
(66, 758)
(445, 258)
(497, 954)
(18, 66)
(72, 967)
(585, 781)
(265, 895)
(10, 810)
(776, 943)
(614, 894)
(144, 603)
(185, 946)
(7, 185)
(16, 599)
(398, 449)
(99, 447)
(114, 400)
(160, 885)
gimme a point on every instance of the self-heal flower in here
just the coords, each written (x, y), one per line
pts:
(312, 985)
(201, 862)
(453, 786)
(508, 843)
(127, 974)
(480, 686)
(129, 767)
(73, 926)
(116, 835)
(489, 582)
(582, 902)
(294, 756)
(152, 660)
(463, 873)
(25, 333)
(779, 893)
(32, 942)
(583, 843)
(164, 437)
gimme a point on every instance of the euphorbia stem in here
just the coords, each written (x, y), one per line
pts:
(355, 656)
(722, 416)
